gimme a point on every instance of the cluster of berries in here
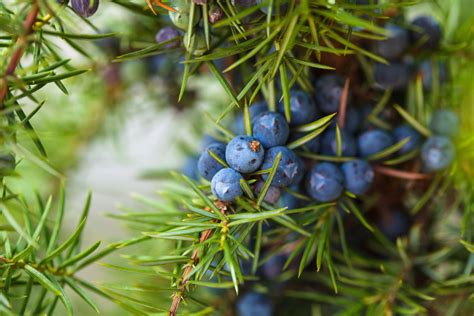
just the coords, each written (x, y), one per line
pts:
(423, 35)
(355, 140)
(245, 155)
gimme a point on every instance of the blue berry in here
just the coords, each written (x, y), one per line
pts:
(325, 182)
(207, 165)
(271, 129)
(166, 34)
(358, 176)
(225, 185)
(373, 141)
(395, 45)
(273, 267)
(290, 168)
(190, 168)
(394, 76)
(426, 72)
(403, 131)
(329, 143)
(302, 108)
(254, 110)
(290, 200)
(84, 7)
(312, 145)
(244, 154)
(437, 153)
(426, 32)
(393, 224)
(444, 123)
(273, 193)
(328, 92)
(254, 304)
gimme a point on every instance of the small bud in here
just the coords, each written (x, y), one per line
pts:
(165, 34)
(200, 2)
(215, 15)
(85, 8)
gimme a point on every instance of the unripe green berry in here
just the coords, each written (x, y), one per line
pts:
(197, 44)
(181, 17)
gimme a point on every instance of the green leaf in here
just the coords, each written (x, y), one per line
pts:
(286, 93)
(80, 256)
(204, 198)
(58, 77)
(389, 150)
(312, 64)
(346, 18)
(17, 227)
(322, 243)
(308, 252)
(200, 211)
(82, 294)
(469, 246)
(256, 50)
(287, 41)
(232, 266)
(218, 126)
(243, 218)
(319, 123)
(63, 297)
(218, 159)
(41, 163)
(186, 74)
(246, 188)
(42, 279)
(83, 218)
(146, 261)
(227, 88)
(258, 245)
(247, 120)
(70, 241)
(412, 121)
(269, 180)
(178, 232)
(80, 36)
(338, 141)
(355, 210)
(59, 219)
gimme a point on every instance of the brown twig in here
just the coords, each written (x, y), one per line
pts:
(21, 43)
(343, 104)
(401, 174)
(178, 295)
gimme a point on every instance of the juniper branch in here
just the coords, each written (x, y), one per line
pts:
(21, 43)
